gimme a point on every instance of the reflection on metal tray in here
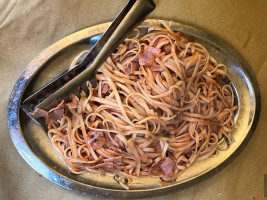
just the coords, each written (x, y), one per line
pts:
(34, 146)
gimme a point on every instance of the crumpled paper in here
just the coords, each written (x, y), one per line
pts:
(28, 27)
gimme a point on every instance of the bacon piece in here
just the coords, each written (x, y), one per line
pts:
(166, 48)
(168, 166)
(153, 50)
(177, 119)
(189, 72)
(40, 113)
(136, 59)
(134, 66)
(146, 59)
(164, 168)
(155, 169)
(128, 70)
(215, 127)
(55, 115)
(105, 88)
(159, 111)
(96, 139)
(131, 46)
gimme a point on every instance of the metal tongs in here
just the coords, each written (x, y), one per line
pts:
(60, 88)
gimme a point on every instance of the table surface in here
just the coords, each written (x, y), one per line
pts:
(28, 27)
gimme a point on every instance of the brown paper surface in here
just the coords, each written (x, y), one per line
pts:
(28, 27)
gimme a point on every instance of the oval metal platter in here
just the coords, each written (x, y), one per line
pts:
(34, 146)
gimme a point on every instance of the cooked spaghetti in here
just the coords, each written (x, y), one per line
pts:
(160, 104)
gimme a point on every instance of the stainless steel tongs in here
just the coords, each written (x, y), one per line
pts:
(60, 88)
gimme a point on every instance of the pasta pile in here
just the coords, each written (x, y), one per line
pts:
(160, 105)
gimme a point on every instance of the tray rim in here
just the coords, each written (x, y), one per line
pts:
(51, 174)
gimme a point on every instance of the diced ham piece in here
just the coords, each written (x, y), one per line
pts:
(105, 88)
(134, 66)
(166, 48)
(215, 127)
(153, 50)
(159, 112)
(128, 70)
(189, 72)
(40, 113)
(156, 170)
(168, 167)
(55, 115)
(96, 139)
(177, 119)
(146, 59)
(130, 46)
(164, 168)
(136, 59)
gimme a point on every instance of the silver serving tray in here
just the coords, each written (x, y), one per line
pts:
(34, 146)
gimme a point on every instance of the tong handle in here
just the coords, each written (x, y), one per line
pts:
(135, 15)
(30, 103)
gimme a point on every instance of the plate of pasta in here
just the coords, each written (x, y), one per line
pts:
(172, 106)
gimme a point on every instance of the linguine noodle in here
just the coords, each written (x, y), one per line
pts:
(160, 104)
